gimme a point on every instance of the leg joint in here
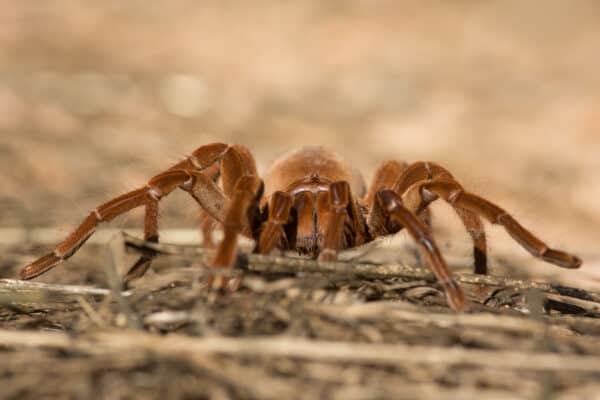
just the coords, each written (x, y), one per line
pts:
(340, 194)
(454, 195)
(389, 200)
(501, 217)
(427, 243)
(189, 183)
(154, 192)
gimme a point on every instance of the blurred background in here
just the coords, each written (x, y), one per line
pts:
(95, 97)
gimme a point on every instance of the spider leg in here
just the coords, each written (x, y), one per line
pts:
(386, 176)
(208, 223)
(207, 227)
(454, 194)
(204, 189)
(157, 187)
(209, 196)
(273, 229)
(306, 236)
(246, 196)
(140, 267)
(474, 226)
(389, 204)
(339, 205)
(425, 217)
(244, 188)
(235, 206)
(427, 171)
(186, 174)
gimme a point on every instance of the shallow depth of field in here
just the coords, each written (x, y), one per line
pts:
(95, 98)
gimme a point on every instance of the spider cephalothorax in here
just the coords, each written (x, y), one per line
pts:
(310, 201)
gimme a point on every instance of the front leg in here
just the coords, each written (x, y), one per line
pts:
(344, 226)
(140, 267)
(246, 197)
(157, 187)
(186, 174)
(401, 178)
(234, 206)
(388, 205)
(237, 209)
(201, 188)
(336, 207)
(272, 231)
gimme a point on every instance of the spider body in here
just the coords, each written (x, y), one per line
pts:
(307, 175)
(311, 168)
(311, 201)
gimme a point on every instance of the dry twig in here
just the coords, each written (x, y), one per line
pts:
(377, 354)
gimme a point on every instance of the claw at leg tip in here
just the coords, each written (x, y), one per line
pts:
(457, 300)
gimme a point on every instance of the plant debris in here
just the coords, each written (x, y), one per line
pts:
(296, 329)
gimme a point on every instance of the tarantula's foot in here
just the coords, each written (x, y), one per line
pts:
(561, 258)
(223, 280)
(455, 296)
(327, 255)
(40, 266)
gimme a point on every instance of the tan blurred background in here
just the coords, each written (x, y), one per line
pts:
(95, 97)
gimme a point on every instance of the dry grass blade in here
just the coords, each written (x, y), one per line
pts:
(297, 329)
(379, 354)
(18, 293)
(13, 286)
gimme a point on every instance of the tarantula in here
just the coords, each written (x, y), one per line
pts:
(311, 201)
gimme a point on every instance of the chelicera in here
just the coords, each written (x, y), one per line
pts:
(311, 201)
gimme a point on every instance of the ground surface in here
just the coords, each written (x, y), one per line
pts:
(95, 98)
(349, 331)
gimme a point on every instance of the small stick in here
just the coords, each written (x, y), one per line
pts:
(277, 264)
(15, 292)
(113, 274)
(388, 310)
(11, 286)
(91, 313)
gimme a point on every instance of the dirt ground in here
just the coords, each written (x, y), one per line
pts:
(95, 98)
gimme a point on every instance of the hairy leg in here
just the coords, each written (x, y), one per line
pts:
(454, 194)
(246, 195)
(208, 223)
(244, 188)
(203, 188)
(385, 177)
(389, 204)
(305, 227)
(207, 226)
(475, 228)
(336, 203)
(272, 231)
(186, 174)
(420, 172)
(157, 187)
(230, 206)
(139, 268)
(229, 162)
